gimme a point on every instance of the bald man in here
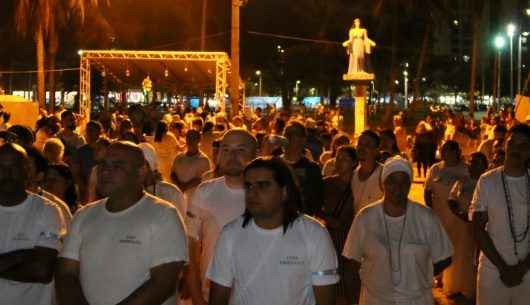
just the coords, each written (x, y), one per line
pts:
(30, 227)
(215, 203)
(128, 248)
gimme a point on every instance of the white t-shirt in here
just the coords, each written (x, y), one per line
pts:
(489, 197)
(36, 222)
(170, 193)
(117, 250)
(424, 243)
(212, 206)
(367, 191)
(270, 267)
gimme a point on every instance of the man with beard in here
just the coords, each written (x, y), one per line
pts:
(500, 212)
(128, 248)
(215, 203)
(30, 227)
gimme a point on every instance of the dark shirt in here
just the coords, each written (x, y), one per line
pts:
(311, 185)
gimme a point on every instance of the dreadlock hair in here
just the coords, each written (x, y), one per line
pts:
(284, 178)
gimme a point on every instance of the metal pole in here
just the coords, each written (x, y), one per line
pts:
(498, 77)
(260, 84)
(406, 92)
(519, 64)
(234, 84)
(511, 67)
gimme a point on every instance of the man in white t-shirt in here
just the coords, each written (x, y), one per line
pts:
(190, 165)
(273, 254)
(500, 211)
(30, 239)
(215, 203)
(366, 184)
(128, 248)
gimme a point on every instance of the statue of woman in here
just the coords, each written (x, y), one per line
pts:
(357, 46)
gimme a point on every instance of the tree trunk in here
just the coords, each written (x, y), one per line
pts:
(421, 61)
(53, 46)
(41, 78)
(477, 7)
(203, 24)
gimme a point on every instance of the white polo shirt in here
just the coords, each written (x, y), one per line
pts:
(36, 222)
(117, 250)
(270, 267)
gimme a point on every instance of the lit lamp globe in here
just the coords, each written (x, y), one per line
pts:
(499, 42)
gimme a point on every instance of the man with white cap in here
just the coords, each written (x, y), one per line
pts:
(397, 245)
(154, 184)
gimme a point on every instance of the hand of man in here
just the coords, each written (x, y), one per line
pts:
(512, 276)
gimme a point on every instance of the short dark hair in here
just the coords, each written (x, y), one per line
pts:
(284, 178)
(373, 135)
(349, 150)
(70, 194)
(500, 128)
(298, 126)
(41, 163)
(482, 157)
(24, 134)
(521, 129)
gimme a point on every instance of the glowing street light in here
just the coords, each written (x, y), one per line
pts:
(297, 86)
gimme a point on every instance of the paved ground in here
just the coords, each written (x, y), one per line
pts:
(416, 194)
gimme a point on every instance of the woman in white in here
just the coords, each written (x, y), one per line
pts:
(462, 270)
(440, 179)
(166, 146)
(397, 244)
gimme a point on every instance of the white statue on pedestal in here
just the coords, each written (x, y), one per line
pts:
(358, 46)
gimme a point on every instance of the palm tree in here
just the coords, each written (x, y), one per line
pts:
(42, 19)
(477, 7)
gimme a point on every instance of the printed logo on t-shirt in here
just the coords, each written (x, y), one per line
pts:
(130, 239)
(291, 260)
(49, 236)
(21, 237)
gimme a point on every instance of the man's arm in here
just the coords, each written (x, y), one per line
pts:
(184, 186)
(484, 241)
(194, 275)
(36, 266)
(427, 195)
(10, 259)
(160, 286)
(460, 213)
(442, 265)
(220, 295)
(325, 295)
(67, 284)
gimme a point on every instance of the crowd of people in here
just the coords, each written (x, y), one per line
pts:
(150, 206)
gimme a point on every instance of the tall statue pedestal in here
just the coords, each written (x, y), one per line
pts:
(360, 81)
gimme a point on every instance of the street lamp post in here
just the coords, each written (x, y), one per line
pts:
(510, 30)
(522, 36)
(258, 73)
(406, 87)
(297, 86)
(499, 44)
